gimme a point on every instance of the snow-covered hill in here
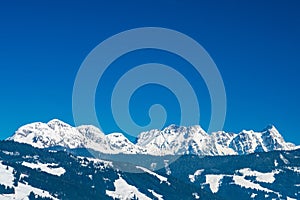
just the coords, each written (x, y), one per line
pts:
(173, 140)
(31, 173)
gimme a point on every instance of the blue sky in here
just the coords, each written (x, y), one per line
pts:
(255, 44)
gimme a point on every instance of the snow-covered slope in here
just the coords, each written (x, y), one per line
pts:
(28, 173)
(173, 140)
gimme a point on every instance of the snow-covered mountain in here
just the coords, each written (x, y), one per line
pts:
(173, 140)
(194, 140)
(58, 133)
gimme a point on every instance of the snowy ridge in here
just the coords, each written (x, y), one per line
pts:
(173, 140)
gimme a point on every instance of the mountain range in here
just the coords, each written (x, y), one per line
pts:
(172, 140)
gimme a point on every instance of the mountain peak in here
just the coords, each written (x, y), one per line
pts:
(271, 131)
(57, 123)
(172, 127)
(269, 127)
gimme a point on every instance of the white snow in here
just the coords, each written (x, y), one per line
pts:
(196, 195)
(158, 196)
(22, 191)
(11, 153)
(253, 195)
(84, 161)
(58, 133)
(124, 191)
(214, 181)
(161, 178)
(118, 143)
(260, 177)
(23, 176)
(275, 163)
(285, 161)
(49, 168)
(290, 198)
(6, 175)
(167, 168)
(240, 180)
(295, 169)
(196, 173)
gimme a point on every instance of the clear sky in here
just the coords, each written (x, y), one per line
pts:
(255, 44)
